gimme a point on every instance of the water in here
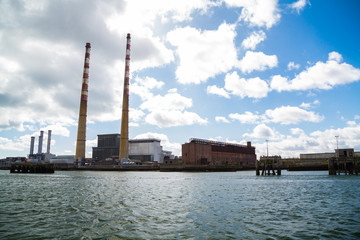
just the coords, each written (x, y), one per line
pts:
(157, 205)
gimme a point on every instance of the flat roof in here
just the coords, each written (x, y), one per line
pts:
(144, 140)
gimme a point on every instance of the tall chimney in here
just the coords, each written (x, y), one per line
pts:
(40, 142)
(32, 146)
(81, 134)
(124, 135)
(48, 142)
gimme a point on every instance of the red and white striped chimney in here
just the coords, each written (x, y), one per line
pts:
(81, 135)
(84, 90)
(124, 135)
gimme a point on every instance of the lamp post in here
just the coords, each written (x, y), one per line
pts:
(337, 145)
(267, 149)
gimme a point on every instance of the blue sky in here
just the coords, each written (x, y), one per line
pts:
(227, 70)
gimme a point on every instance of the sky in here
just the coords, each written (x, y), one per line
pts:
(224, 70)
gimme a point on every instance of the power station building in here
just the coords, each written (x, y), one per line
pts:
(40, 156)
(143, 150)
(206, 152)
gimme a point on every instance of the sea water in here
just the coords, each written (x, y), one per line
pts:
(159, 205)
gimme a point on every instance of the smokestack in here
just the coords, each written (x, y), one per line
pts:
(32, 146)
(48, 142)
(124, 135)
(40, 142)
(81, 135)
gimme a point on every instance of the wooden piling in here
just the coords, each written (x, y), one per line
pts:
(269, 166)
(344, 165)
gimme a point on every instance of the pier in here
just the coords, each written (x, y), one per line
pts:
(31, 168)
(344, 165)
(269, 166)
(344, 162)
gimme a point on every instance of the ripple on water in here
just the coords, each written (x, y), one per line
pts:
(154, 205)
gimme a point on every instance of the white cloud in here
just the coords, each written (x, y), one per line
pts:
(203, 54)
(140, 13)
(139, 18)
(349, 137)
(284, 115)
(51, 84)
(135, 114)
(315, 142)
(252, 87)
(168, 110)
(257, 12)
(91, 143)
(57, 129)
(291, 115)
(221, 119)
(292, 66)
(351, 123)
(261, 131)
(174, 118)
(171, 101)
(309, 105)
(257, 61)
(335, 56)
(247, 117)
(253, 40)
(142, 87)
(305, 105)
(7, 65)
(15, 145)
(279, 83)
(296, 131)
(217, 91)
(298, 5)
(320, 76)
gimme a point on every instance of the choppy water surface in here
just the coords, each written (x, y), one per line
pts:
(156, 205)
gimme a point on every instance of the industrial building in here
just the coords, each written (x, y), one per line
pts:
(343, 152)
(40, 156)
(146, 150)
(206, 152)
(107, 147)
(143, 150)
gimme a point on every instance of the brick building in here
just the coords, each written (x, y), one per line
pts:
(205, 152)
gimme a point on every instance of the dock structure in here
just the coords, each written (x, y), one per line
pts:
(269, 166)
(31, 168)
(344, 162)
(344, 165)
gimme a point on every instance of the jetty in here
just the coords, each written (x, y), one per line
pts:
(270, 165)
(31, 168)
(344, 165)
(345, 162)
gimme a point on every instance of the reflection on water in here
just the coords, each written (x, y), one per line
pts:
(156, 205)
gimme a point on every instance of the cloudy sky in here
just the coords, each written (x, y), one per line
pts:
(225, 70)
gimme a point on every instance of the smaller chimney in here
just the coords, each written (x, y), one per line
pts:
(32, 146)
(40, 142)
(249, 144)
(48, 142)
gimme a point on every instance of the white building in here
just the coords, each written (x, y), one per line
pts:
(63, 159)
(146, 150)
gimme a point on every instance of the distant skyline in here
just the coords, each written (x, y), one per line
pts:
(226, 70)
